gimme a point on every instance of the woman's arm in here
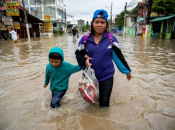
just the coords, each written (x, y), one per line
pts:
(80, 53)
(118, 57)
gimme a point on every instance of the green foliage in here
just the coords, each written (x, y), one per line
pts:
(58, 32)
(87, 25)
(164, 7)
(134, 11)
(55, 31)
(84, 28)
(120, 20)
(61, 31)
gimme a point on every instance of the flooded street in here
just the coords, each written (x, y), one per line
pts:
(146, 102)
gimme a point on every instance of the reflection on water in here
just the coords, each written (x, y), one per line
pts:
(146, 102)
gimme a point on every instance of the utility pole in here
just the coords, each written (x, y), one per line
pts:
(125, 19)
(150, 5)
(147, 25)
(145, 6)
(27, 26)
(65, 18)
(111, 15)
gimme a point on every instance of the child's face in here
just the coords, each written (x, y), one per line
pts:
(55, 62)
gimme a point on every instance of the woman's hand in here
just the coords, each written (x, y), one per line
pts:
(128, 76)
(44, 86)
(87, 63)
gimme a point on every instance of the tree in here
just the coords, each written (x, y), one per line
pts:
(87, 25)
(134, 11)
(120, 19)
(84, 28)
(164, 7)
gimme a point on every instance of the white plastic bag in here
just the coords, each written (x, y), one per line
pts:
(88, 85)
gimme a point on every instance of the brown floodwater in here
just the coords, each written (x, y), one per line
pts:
(146, 102)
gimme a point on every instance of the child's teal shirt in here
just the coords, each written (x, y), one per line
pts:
(59, 76)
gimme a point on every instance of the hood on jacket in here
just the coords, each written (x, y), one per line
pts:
(57, 50)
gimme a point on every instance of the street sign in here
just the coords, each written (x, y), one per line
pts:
(46, 25)
(47, 17)
(12, 9)
(17, 25)
(7, 20)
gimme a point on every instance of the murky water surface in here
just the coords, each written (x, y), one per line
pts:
(146, 102)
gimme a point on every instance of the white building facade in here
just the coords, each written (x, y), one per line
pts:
(55, 8)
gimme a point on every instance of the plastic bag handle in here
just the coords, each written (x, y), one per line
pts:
(84, 72)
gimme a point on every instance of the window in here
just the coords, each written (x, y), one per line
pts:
(47, 10)
(39, 15)
(49, 1)
(53, 12)
(32, 2)
(133, 19)
(26, 2)
(58, 12)
(62, 15)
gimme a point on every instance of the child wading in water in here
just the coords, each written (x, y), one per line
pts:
(58, 73)
(14, 35)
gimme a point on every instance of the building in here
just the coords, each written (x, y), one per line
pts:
(80, 24)
(70, 26)
(163, 27)
(17, 21)
(55, 8)
(131, 20)
(140, 19)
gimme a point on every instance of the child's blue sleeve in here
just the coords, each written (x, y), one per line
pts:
(47, 77)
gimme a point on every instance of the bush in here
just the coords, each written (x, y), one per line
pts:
(55, 31)
(61, 31)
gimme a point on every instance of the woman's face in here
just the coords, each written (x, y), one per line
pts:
(99, 25)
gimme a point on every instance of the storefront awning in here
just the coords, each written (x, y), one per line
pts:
(32, 19)
(162, 18)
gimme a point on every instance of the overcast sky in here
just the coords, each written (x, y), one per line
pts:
(84, 9)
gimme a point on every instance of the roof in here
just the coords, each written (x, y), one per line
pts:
(131, 15)
(140, 4)
(162, 18)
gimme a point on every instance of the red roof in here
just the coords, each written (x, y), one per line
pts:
(140, 4)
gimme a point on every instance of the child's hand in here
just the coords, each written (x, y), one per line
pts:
(44, 86)
(128, 76)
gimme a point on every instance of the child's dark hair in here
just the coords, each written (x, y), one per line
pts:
(55, 55)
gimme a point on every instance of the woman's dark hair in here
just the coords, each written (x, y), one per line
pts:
(55, 55)
(92, 28)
